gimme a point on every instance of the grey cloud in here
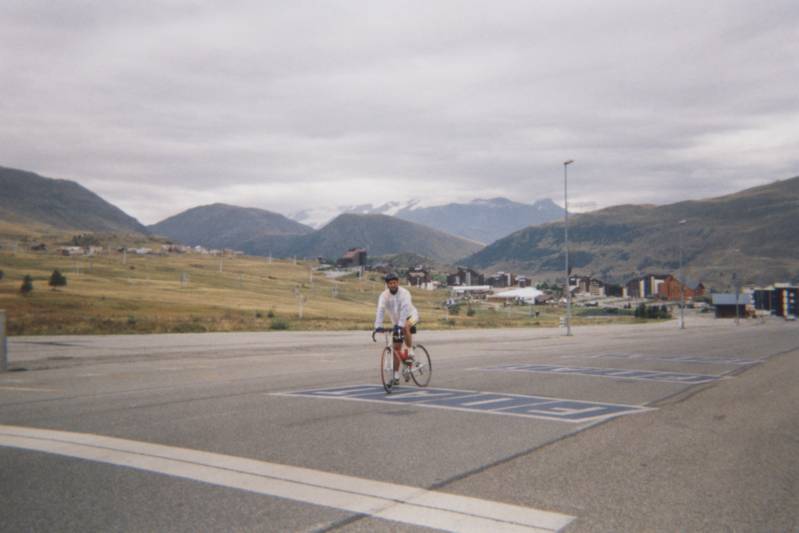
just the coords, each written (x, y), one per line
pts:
(652, 99)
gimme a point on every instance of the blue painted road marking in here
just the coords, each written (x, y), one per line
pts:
(559, 409)
(649, 375)
(699, 359)
(571, 410)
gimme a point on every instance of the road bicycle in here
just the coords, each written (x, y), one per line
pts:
(419, 368)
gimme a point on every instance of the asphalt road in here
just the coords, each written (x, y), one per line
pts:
(617, 428)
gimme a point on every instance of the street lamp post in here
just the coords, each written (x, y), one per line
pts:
(682, 281)
(566, 245)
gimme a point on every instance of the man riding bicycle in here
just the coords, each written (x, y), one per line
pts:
(404, 316)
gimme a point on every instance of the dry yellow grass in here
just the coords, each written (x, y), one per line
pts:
(116, 293)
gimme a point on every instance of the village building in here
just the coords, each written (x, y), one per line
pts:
(645, 286)
(354, 257)
(546, 298)
(671, 289)
(586, 285)
(527, 295)
(465, 276)
(780, 299)
(418, 276)
(471, 291)
(731, 305)
(501, 280)
(71, 250)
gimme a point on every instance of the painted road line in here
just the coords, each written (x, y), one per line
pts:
(699, 359)
(559, 409)
(398, 503)
(626, 373)
(26, 389)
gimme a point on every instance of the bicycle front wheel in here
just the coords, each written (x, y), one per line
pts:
(422, 368)
(387, 369)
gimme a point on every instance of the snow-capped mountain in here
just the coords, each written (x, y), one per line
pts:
(319, 216)
(481, 220)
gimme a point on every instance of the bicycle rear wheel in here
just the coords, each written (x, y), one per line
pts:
(387, 369)
(422, 368)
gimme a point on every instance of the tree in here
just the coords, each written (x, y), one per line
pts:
(2, 274)
(27, 285)
(57, 279)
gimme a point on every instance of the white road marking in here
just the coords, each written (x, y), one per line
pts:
(485, 402)
(398, 503)
(539, 407)
(27, 389)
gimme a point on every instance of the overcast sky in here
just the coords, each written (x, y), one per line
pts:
(163, 106)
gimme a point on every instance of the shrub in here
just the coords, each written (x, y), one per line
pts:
(279, 323)
(85, 239)
(653, 311)
(188, 327)
(57, 279)
(27, 285)
(471, 312)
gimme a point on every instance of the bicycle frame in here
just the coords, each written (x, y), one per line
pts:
(419, 369)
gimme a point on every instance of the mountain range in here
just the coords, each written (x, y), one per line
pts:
(261, 232)
(27, 198)
(379, 234)
(748, 237)
(30, 200)
(479, 220)
(227, 226)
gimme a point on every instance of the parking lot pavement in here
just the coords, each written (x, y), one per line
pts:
(610, 428)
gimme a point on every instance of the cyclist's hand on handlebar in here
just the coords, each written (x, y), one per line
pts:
(375, 332)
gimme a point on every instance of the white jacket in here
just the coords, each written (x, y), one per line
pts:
(399, 307)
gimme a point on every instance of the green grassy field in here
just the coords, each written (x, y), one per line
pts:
(116, 293)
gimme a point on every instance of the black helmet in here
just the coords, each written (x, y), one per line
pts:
(391, 275)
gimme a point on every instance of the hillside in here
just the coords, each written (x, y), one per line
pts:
(484, 220)
(480, 220)
(31, 199)
(750, 234)
(226, 226)
(113, 293)
(379, 234)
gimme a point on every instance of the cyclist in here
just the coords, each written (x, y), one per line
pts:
(404, 316)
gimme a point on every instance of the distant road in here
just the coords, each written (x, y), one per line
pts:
(617, 428)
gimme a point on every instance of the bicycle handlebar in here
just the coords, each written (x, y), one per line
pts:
(385, 330)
